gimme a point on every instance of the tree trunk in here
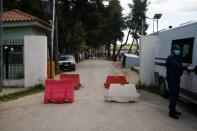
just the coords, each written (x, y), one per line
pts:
(105, 50)
(122, 45)
(108, 51)
(100, 51)
(114, 49)
(137, 43)
(131, 46)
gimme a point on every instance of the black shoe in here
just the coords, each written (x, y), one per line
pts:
(177, 113)
(173, 115)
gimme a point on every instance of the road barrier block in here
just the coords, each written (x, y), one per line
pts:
(121, 93)
(115, 80)
(74, 77)
(59, 91)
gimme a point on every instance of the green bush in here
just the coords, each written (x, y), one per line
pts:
(19, 94)
(151, 88)
(135, 70)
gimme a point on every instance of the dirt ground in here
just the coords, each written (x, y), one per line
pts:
(90, 112)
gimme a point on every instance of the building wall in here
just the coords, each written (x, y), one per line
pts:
(35, 63)
(20, 32)
(147, 58)
(16, 32)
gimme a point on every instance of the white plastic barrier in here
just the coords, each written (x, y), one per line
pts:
(121, 93)
(147, 58)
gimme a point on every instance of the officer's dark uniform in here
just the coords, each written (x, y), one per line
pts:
(174, 73)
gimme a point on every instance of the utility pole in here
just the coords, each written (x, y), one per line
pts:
(157, 25)
(52, 33)
(142, 26)
(1, 46)
(56, 43)
(157, 17)
(153, 28)
(52, 38)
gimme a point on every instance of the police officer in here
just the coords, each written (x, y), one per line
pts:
(174, 72)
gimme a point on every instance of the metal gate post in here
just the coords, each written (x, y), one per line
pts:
(1, 46)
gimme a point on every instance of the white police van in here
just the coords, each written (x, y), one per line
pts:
(185, 36)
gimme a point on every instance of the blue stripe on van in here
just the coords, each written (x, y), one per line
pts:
(160, 64)
(157, 58)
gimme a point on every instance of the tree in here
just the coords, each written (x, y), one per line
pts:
(114, 25)
(138, 14)
(71, 27)
(81, 23)
(33, 7)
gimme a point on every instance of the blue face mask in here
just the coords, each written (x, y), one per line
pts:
(177, 52)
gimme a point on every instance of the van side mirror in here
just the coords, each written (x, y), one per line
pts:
(195, 70)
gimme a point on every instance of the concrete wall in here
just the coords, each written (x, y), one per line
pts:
(35, 60)
(16, 33)
(20, 32)
(13, 83)
(147, 58)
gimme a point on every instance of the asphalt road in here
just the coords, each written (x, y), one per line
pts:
(90, 112)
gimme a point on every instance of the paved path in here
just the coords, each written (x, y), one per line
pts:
(89, 112)
(11, 90)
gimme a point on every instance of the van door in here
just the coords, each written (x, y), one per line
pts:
(194, 76)
(186, 46)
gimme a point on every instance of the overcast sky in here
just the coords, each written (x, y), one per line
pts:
(174, 12)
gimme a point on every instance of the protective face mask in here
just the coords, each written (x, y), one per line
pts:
(177, 52)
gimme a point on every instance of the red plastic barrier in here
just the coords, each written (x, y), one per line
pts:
(115, 80)
(74, 77)
(59, 91)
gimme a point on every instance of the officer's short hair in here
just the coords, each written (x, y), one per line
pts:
(176, 47)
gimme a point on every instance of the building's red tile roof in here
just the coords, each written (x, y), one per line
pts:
(17, 16)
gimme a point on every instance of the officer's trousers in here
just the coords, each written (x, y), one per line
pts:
(174, 89)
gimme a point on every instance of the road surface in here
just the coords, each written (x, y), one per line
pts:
(90, 112)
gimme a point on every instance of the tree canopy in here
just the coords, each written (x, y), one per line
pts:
(84, 24)
(137, 16)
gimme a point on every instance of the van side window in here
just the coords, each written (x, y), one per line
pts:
(186, 46)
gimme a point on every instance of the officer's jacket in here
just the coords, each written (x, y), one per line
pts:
(174, 67)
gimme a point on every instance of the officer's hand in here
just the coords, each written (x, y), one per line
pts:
(190, 68)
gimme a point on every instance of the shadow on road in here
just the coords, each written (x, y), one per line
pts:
(188, 107)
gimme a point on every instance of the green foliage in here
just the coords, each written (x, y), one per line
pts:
(114, 25)
(58, 70)
(82, 24)
(137, 14)
(135, 70)
(115, 20)
(33, 7)
(151, 88)
(16, 95)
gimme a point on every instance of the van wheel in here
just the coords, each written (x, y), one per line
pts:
(163, 89)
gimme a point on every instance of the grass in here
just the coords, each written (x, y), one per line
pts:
(58, 70)
(127, 47)
(135, 70)
(19, 94)
(151, 88)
